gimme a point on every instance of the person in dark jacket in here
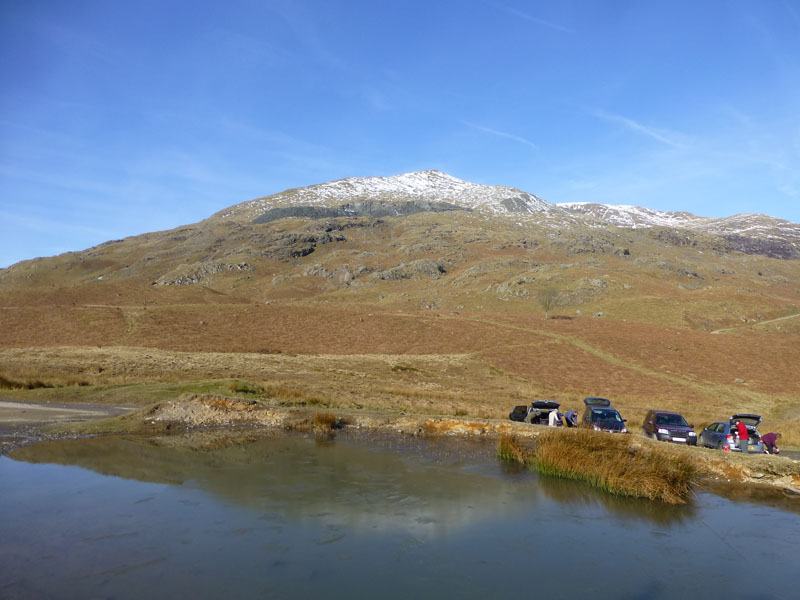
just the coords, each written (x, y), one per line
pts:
(771, 442)
(744, 436)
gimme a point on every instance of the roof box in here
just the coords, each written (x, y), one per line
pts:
(596, 401)
(545, 404)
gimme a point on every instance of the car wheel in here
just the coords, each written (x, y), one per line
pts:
(719, 445)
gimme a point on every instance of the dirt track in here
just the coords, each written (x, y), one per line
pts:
(21, 422)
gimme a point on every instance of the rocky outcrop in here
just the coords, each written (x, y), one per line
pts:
(294, 245)
(343, 275)
(413, 270)
(197, 272)
(368, 208)
(771, 247)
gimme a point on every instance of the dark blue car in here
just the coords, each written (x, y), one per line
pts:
(601, 416)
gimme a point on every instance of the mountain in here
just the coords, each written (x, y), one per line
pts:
(451, 244)
(752, 234)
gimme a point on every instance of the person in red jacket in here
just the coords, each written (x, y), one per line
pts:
(744, 435)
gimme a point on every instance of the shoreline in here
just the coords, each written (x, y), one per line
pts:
(25, 423)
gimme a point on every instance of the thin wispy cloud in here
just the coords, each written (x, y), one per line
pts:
(665, 137)
(504, 134)
(543, 22)
(302, 22)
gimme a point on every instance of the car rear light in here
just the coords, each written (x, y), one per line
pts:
(729, 438)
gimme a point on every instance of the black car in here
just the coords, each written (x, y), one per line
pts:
(601, 416)
(537, 413)
(668, 426)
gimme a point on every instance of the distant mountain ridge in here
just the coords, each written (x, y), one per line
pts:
(749, 233)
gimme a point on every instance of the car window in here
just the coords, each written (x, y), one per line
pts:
(605, 414)
(675, 420)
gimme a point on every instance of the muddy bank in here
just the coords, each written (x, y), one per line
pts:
(21, 424)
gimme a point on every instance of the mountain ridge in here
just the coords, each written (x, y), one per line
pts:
(434, 190)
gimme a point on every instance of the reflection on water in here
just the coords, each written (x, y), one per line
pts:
(276, 515)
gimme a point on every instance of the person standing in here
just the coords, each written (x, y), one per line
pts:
(771, 442)
(744, 436)
(552, 418)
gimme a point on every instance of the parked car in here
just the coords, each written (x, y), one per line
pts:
(601, 416)
(668, 427)
(537, 413)
(722, 435)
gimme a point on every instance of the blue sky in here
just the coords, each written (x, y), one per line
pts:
(118, 118)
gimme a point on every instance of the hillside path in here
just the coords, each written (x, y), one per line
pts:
(754, 324)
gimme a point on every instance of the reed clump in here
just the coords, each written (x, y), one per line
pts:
(325, 422)
(615, 464)
(510, 448)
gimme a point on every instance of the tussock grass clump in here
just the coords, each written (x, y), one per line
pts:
(244, 387)
(325, 422)
(616, 464)
(402, 368)
(510, 448)
(35, 383)
(28, 384)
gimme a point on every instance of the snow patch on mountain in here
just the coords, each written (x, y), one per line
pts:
(634, 217)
